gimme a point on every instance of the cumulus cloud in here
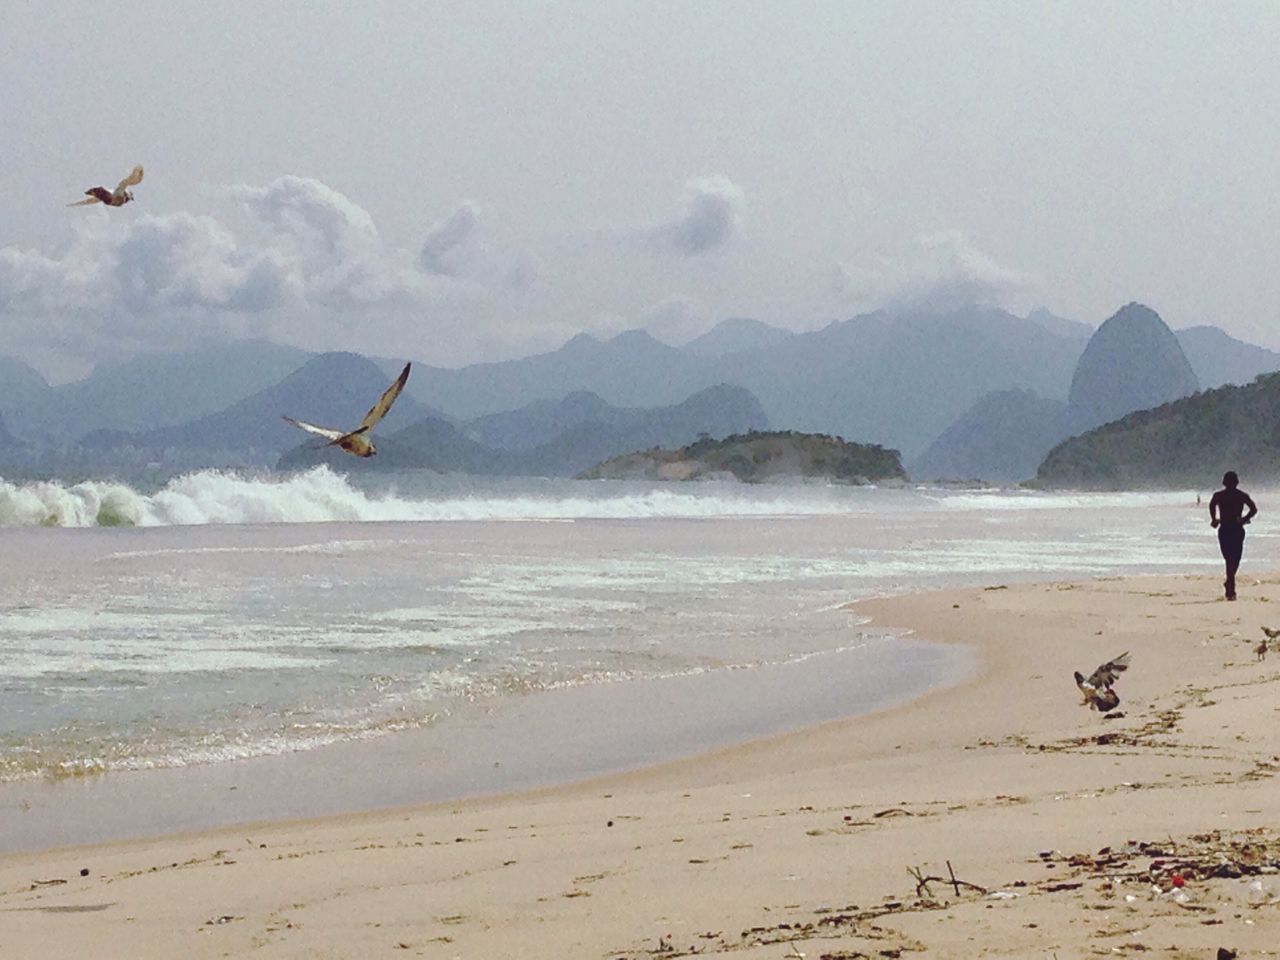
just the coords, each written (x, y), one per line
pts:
(711, 212)
(308, 211)
(122, 284)
(165, 280)
(941, 271)
(446, 238)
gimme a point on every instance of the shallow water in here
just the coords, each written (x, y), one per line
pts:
(200, 645)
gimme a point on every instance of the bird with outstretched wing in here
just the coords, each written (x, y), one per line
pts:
(112, 198)
(357, 442)
(1097, 689)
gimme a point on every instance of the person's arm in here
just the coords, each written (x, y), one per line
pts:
(1253, 509)
(1213, 510)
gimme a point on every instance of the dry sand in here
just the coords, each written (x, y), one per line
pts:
(1072, 825)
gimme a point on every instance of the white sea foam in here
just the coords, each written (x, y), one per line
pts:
(215, 496)
(319, 495)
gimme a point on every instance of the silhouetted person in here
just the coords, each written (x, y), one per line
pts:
(1225, 509)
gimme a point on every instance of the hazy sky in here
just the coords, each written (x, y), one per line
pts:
(460, 181)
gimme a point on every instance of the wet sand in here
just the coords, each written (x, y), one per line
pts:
(1067, 832)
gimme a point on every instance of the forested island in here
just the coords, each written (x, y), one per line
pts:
(757, 457)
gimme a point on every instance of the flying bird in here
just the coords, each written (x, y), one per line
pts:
(1271, 634)
(357, 441)
(112, 198)
(1097, 690)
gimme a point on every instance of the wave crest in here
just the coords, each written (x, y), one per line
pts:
(320, 494)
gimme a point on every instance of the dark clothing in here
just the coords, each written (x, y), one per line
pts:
(1231, 542)
(1227, 511)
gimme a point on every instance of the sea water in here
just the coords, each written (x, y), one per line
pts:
(221, 620)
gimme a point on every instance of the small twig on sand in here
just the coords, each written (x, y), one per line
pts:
(954, 882)
(922, 882)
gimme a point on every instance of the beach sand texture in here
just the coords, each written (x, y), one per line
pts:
(1072, 826)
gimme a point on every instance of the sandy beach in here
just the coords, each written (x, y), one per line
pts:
(1070, 835)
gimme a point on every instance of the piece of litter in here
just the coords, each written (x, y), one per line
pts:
(1002, 895)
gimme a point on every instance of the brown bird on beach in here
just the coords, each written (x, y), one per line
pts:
(357, 441)
(112, 198)
(1271, 633)
(1261, 650)
(1097, 690)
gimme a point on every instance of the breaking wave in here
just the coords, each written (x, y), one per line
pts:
(319, 495)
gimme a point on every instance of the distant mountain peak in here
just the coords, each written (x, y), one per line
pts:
(636, 337)
(580, 340)
(735, 334)
(1132, 362)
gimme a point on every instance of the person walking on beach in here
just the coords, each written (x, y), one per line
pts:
(1225, 509)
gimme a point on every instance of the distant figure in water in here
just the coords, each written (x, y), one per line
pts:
(1225, 509)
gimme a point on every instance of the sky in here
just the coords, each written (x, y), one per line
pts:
(456, 182)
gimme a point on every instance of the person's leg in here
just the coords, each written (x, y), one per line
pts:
(1231, 542)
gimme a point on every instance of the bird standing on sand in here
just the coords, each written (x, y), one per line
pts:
(357, 442)
(112, 198)
(1097, 690)
(1261, 649)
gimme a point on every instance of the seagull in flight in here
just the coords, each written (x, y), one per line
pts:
(1097, 690)
(357, 441)
(112, 198)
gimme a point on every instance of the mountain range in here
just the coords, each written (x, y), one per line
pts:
(911, 380)
(560, 440)
(1133, 361)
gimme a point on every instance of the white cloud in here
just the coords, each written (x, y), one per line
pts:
(445, 238)
(307, 211)
(164, 280)
(712, 211)
(941, 271)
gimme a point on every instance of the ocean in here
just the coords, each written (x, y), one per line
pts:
(318, 644)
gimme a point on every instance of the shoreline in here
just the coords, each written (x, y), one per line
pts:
(501, 747)
(802, 838)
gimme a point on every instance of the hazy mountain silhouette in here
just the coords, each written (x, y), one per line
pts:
(1060, 326)
(1189, 442)
(21, 386)
(718, 411)
(1003, 437)
(1219, 358)
(1133, 362)
(7, 439)
(330, 389)
(898, 379)
(433, 443)
(891, 378)
(632, 369)
(542, 421)
(733, 335)
(154, 390)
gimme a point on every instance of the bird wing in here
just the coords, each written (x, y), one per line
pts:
(318, 431)
(85, 202)
(386, 400)
(1106, 674)
(133, 179)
